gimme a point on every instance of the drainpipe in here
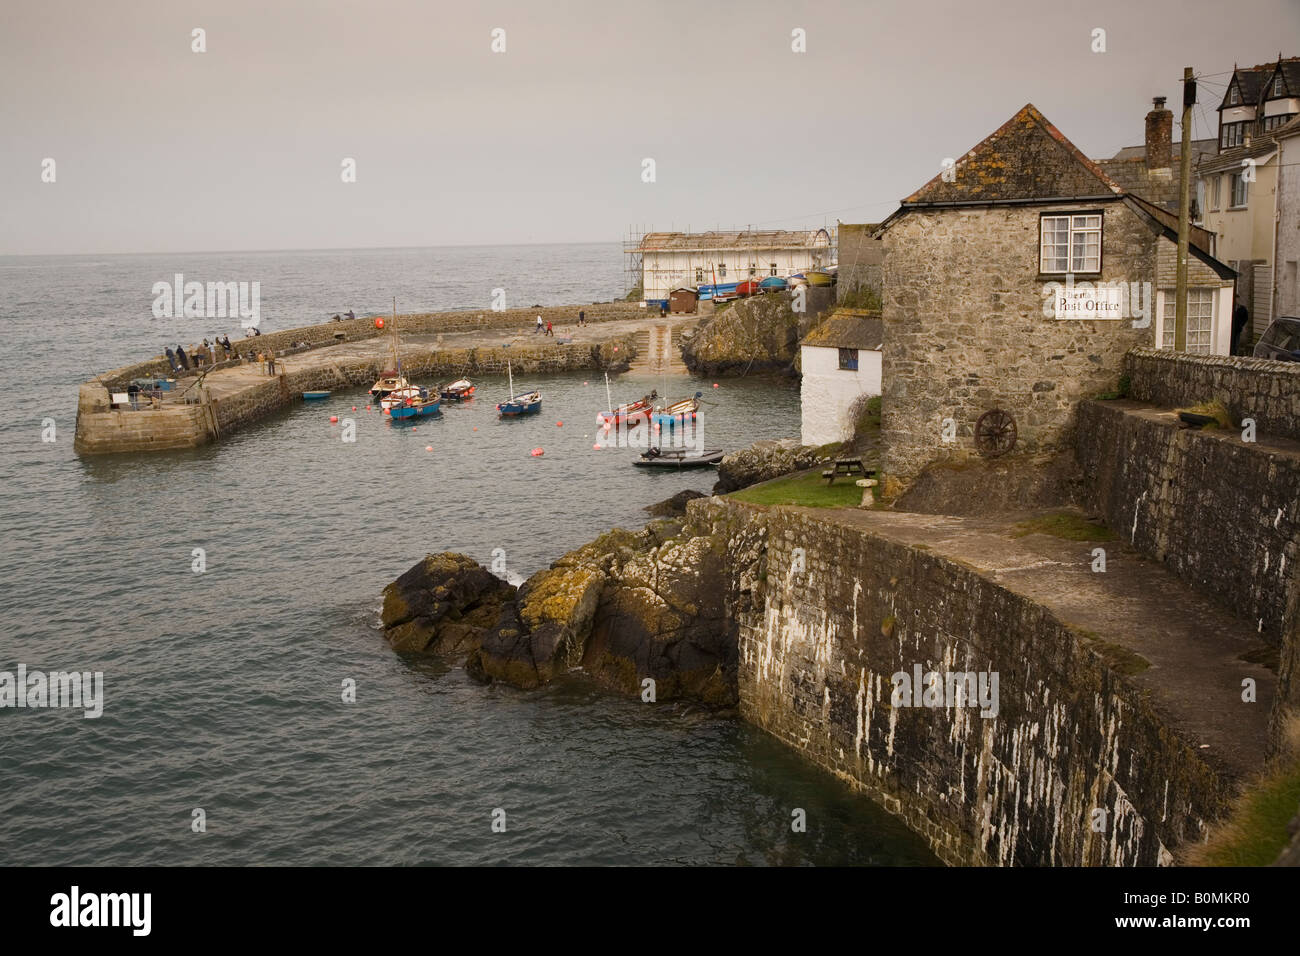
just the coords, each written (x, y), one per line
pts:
(1277, 193)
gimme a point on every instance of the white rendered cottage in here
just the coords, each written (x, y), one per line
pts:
(840, 360)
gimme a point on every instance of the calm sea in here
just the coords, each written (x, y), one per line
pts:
(223, 689)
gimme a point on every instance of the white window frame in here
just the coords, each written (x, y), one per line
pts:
(1235, 180)
(1201, 303)
(1215, 184)
(1077, 232)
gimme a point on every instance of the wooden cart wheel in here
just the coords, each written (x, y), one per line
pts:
(995, 433)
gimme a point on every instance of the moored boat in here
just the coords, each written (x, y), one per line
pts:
(677, 413)
(773, 284)
(414, 408)
(797, 279)
(406, 392)
(389, 382)
(315, 396)
(457, 391)
(749, 287)
(818, 277)
(518, 405)
(521, 405)
(679, 458)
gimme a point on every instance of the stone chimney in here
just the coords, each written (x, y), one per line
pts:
(1160, 130)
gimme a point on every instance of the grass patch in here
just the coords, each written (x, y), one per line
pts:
(1119, 391)
(808, 489)
(1064, 524)
(1213, 408)
(1254, 831)
(858, 297)
(1118, 658)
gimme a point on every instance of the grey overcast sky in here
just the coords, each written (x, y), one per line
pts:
(240, 148)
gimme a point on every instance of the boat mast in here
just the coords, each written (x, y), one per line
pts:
(397, 361)
(511, 375)
(608, 397)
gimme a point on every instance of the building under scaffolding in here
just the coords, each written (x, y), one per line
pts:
(662, 261)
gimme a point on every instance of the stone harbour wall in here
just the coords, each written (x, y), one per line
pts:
(818, 645)
(101, 431)
(424, 323)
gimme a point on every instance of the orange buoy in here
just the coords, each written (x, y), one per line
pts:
(334, 419)
(385, 411)
(536, 453)
(596, 447)
(559, 424)
(379, 323)
(428, 448)
(475, 428)
(354, 408)
(715, 384)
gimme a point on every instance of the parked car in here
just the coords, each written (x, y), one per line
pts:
(1281, 340)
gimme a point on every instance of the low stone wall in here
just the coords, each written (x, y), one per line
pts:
(1266, 391)
(1218, 512)
(819, 641)
(424, 323)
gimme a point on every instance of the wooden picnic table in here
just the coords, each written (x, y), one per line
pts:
(847, 467)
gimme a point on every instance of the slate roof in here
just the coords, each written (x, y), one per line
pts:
(1252, 81)
(847, 331)
(1231, 158)
(1026, 158)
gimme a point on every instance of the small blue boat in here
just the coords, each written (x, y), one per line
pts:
(521, 405)
(314, 396)
(773, 284)
(517, 405)
(721, 290)
(414, 408)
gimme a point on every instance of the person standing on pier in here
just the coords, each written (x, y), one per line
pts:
(181, 357)
(550, 331)
(539, 325)
(171, 360)
(582, 318)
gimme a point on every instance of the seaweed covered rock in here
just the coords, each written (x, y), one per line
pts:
(445, 604)
(626, 607)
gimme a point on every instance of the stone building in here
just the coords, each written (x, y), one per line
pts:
(859, 257)
(1239, 183)
(1286, 284)
(840, 362)
(1014, 283)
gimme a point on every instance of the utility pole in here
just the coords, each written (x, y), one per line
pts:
(1184, 212)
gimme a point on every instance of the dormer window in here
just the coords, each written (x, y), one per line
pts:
(1070, 243)
(1234, 95)
(1278, 86)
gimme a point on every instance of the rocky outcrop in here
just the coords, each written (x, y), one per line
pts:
(674, 506)
(628, 607)
(756, 334)
(763, 461)
(444, 604)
